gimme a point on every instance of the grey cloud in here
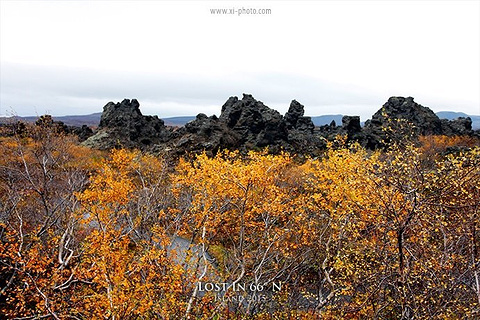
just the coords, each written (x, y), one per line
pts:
(65, 90)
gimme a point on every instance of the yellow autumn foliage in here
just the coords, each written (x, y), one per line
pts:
(353, 234)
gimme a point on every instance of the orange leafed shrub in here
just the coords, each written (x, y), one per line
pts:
(354, 234)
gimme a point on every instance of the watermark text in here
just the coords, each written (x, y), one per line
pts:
(240, 11)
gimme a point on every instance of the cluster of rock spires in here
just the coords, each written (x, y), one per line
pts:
(248, 124)
(398, 118)
(244, 124)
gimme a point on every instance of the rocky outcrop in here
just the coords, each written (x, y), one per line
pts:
(203, 134)
(83, 132)
(460, 126)
(123, 125)
(295, 119)
(243, 124)
(247, 124)
(402, 117)
(256, 124)
(301, 130)
(352, 128)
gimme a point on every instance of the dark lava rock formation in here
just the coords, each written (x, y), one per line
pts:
(247, 124)
(254, 123)
(123, 125)
(398, 119)
(244, 124)
(402, 117)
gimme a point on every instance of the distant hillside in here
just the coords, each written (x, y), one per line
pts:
(450, 115)
(89, 119)
(92, 120)
(178, 121)
(327, 119)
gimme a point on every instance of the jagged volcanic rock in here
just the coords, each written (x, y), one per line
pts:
(243, 124)
(300, 131)
(123, 125)
(352, 128)
(247, 124)
(459, 126)
(295, 119)
(204, 134)
(384, 126)
(424, 119)
(256, 124)
(83, 133)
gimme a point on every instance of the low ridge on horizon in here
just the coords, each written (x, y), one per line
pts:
(93, 119)
(247, 123)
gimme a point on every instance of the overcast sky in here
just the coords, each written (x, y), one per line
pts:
(177, 58)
